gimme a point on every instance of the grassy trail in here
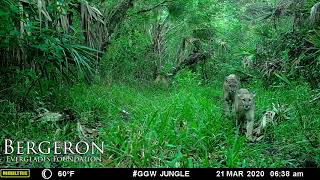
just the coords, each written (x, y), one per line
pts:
(183, 127)
(177, 127)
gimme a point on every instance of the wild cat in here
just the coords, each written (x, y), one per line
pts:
(230, 87)
(244, 110)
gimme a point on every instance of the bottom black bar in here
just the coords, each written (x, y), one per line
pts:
(163, 173)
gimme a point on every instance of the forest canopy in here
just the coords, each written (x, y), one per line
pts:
(146, 76)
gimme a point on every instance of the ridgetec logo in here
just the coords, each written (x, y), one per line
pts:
(15, 173)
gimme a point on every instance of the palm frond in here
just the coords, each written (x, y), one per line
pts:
(93, 24)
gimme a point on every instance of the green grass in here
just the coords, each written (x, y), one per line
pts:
(177, 127)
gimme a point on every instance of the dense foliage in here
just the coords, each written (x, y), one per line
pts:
(147, 75)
